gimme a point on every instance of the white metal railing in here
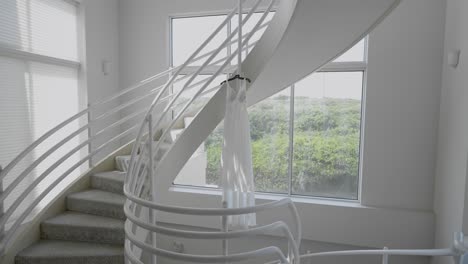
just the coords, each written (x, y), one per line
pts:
(458, 249)
(142, 172)
(105, 142)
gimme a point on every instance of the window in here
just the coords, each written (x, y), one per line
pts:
(39, 71)
(305, 139)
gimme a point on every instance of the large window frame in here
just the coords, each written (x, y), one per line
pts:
(334, 66)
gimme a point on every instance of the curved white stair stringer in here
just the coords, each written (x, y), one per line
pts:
(293, 46)
(318, 32)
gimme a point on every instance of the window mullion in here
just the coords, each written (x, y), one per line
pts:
(291, 140)
(229, 29)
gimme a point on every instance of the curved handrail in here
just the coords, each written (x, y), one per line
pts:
(8, 234)
(201, 258)
(259, 230)
(401, 252)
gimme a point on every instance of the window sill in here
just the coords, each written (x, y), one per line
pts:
(325, 220)
(265, 197)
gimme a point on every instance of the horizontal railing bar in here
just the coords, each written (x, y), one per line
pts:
(206, 211)
(129, 254)
(261, 230)
(39, 141)
(199, 234)
(399, 252)
(37, 180)
(23, 175)
(267, 251)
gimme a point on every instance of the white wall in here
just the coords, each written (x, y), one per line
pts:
(402, 104)
(101, 38)
(450, 189)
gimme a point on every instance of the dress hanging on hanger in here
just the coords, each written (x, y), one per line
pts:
(237, 172)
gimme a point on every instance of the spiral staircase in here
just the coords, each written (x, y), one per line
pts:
(109, 214)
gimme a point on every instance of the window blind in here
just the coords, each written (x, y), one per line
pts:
(38, 95)
(45, 27)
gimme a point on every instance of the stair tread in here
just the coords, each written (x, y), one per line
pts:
(56, 248)
(118, 176)
(100, 196)
(75, 219)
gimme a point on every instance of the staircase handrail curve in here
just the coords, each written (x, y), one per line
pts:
(210, 235)
(94, 105)
(17, 180)
(244, 42)
(221, 211)
(170, 82)
(267, 251)
(217, 235)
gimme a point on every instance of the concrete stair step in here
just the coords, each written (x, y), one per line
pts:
(79, 227)
(187, 121)
(66, 252)
(111, 181)
(97, 202)
(174, 134)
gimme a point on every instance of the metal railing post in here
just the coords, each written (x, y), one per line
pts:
(224, 228)
(90, 135)
(385, 256)
(151, 213)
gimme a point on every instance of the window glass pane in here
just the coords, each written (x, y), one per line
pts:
(327, 120)
(190, 32)
(356, 53)
(269, 130)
